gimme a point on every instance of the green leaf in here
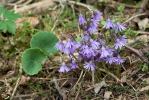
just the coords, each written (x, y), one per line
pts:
(138, 4)
(145, 68)
(7, 25)
(78, 39)
(3, 26)
(31, 60)
(11, 15)
(121, 8)
(2, 9)
(45, 41)
(103, 23)
(11, 26)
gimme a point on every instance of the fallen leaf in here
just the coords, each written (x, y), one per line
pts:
(123, 79)
(107, 95)
(34, 21)
(99, 86)
(23, 80)
(143, 24)
(144, 88)
(147, 80)
(141, 38)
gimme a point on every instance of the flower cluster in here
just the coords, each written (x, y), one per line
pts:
(93, 48)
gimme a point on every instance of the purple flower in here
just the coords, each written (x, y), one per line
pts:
(81, 20)
(110, 59)
(60, 46)
(97, 15)
(70, 46)
(64, 68)
(119, 27)
(92, 29)
(102, 42)
(94, 44)
(119, 60)
(120, 42)
(109, 24)
(104, 52)
(94, 23)
(88, 51)
(74, 65)
(80, 56)
(85, 37)
(90, 66)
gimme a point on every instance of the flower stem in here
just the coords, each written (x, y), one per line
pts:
(118, 71)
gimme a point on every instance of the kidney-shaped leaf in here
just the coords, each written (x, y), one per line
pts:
(45, 41)
(31, 60)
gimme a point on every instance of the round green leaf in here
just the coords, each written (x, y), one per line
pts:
(31, 60)
(45, 41)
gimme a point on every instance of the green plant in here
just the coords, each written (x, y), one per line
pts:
(145, 68)
(42, 45)
(138, 4)
(122, 88)
(7, 20)
(120, 8)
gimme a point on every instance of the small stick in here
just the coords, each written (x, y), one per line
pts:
(111, 74)
(126, 5)
(76, 98)
(141, 33)
(93, 78)
(17, 83)
(90, 8)
(61, 91)
(136, 52)
(78, 79)
(133, 17)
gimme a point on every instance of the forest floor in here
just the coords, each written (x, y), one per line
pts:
(61, 18)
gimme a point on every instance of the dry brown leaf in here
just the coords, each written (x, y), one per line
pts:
(107, 95)
(123, 79)
(99, 86)
(144, 88)
(143, 24)
(23, 80)
(34, 21)
(141, 38)
(147, 80)
(36, 8)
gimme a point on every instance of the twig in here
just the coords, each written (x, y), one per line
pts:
(90, 8)
(93, 78)
(126, 5)
(61, 91)
(134, 72)
(17, 83)
(139, 79)
(111, 74)
(57, 18)
(76, 98)
(78, 79)
(134, 17)
(141, 33)
(136, 52)
(23, 96)
(142, 6)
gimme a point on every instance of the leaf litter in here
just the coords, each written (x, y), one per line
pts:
(51, 85)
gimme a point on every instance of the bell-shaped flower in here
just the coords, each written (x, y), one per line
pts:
(119, 27)
(90, 66)
(64, 68)
(81, 20)
(120, 42)
(109, 24)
